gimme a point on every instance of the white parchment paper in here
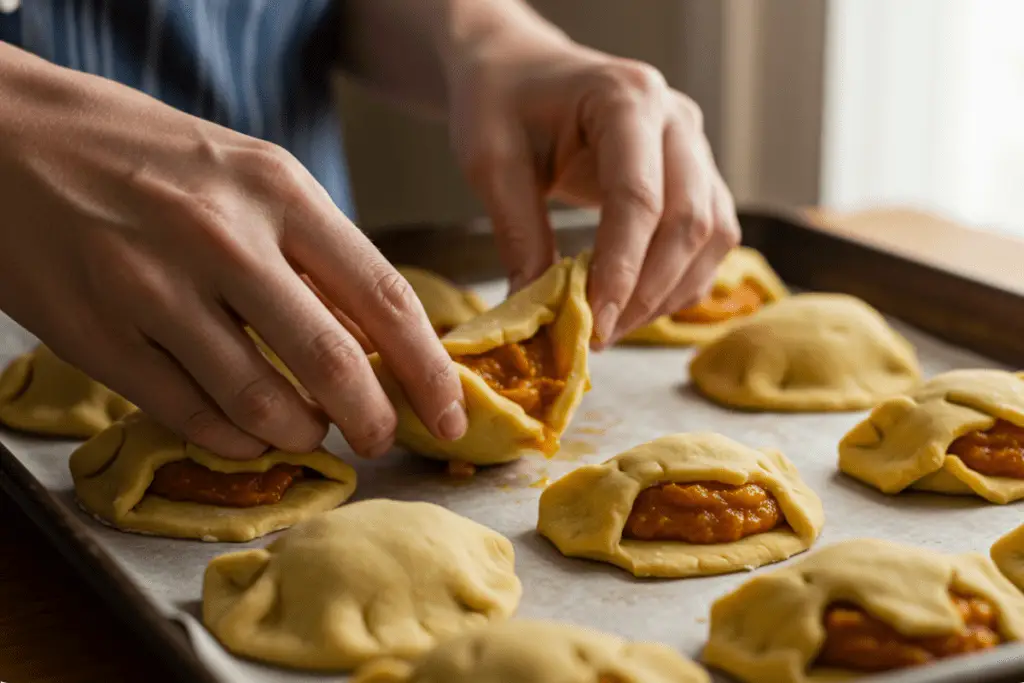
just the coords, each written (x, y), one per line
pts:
(638, 394)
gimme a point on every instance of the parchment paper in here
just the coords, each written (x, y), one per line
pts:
(638, 394)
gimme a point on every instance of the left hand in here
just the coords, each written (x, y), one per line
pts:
(559, 120)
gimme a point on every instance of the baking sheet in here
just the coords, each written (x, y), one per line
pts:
(638, 394)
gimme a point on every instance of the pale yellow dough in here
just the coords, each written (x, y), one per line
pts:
(446, 305)
(584, 512)
(807, 353)
(740, 265)
(378, 578)
(903, 442)
(114, 469)
(499, 429)
(770, 629)
(1008, 554)
(524, 651)
(42, 394)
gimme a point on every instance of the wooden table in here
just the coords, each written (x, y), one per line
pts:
(52, 628)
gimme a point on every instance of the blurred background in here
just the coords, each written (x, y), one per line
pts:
(843, 103)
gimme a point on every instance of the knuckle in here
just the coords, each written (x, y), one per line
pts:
(484, 155)
(619, 277)
(441, 374)
(640, 79)
(335, 355)
(258, 402)
(690, 112)
(373, 430)
(277, 169)
(639, 197)
(393, 294)
(198, 426)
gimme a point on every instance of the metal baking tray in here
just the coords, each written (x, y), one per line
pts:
(969, 314)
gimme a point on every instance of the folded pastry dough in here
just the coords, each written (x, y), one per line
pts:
(807, 352)
(1008, 554)
(446, 305)
(372, 579)
(42, 394)
(909, 441)
(743, 283)
(586, 512)
(524, 651)
(773, 628)
(115, 470)
(530, 350)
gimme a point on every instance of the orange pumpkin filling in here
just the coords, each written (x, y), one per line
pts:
(523, 372)
(701, 512)
(857, 641)
(995, 452)
(724, 304)
(188, 481)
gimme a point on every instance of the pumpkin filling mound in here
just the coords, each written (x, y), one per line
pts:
(701, 513)
(857, 641)
(995, 452)
(723, 304)
(188, 481)
(523, 372)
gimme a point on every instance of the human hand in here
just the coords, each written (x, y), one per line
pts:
(137, 241)
(554, 119)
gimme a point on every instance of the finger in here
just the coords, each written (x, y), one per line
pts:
(340, 316)
(230, 368)
(686, 226)
(502, 171)
(323, 356)
(354, 275)
(628, 139)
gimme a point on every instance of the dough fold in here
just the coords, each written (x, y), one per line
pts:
(446, 305)
(1008, 554)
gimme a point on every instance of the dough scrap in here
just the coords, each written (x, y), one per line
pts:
(447, 306)
(770, 629)
(114, 469)
(1008, 554)
(903, 442)
(523, 651)
(42, 394)
(499, 429)
(378, 578)
(740, 265)
(807, 353)
(584, 512)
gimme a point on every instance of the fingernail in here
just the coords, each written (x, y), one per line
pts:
(604, 324)
(453, 422)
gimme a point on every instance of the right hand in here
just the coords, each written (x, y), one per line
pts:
(137, 240)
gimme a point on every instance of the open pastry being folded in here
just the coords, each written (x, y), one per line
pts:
(42, 394)
(139, 476)
(523, 366)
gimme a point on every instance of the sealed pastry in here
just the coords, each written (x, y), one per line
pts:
(539, 652)
(807, 353)
(1008, 554)
(42, 394)
(523, 366)
(446, 305)
(743, 284)
(861, 607)
(139, 476)
(683, 505)
(378, 578)
(962, 432)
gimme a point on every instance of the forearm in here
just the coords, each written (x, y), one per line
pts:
(413, 49)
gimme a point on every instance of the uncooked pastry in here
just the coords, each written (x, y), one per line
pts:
(741, 265)
(500, 430)
(114, 470)
(42, 394)
(446, 305)
(584, 512)
(1008, 554)
(378, 578)
(770, 629)
(524, 651)
(903, 443)
(807, 353)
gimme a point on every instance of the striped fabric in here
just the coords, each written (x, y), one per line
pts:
(260, 67)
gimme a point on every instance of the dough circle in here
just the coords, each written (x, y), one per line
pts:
(1008, 554)
(584, 512)
(524, 651)
(113, 471)
(903, 442)
(807, 353)
(770, 629)
(446, 305)
(42, 394)
(740, 265)
(378, 578)
(499, 429)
